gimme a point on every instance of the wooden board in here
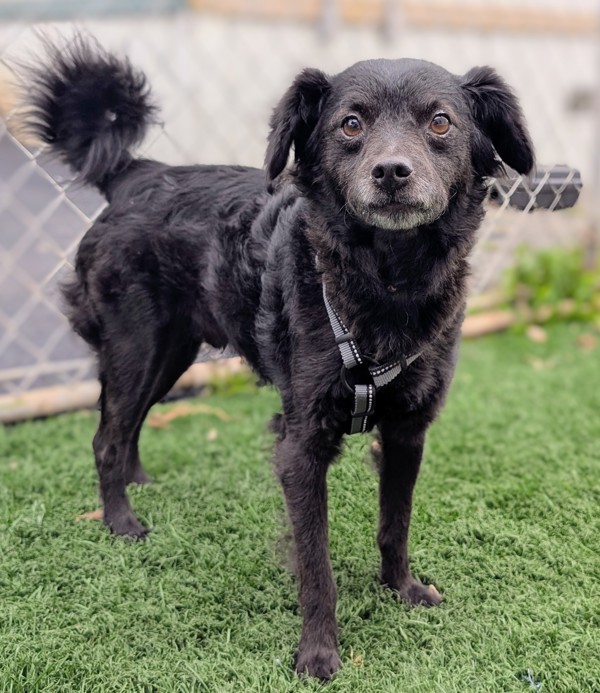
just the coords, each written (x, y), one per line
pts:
(429, 14)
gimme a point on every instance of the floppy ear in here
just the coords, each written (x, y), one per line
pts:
(499, 117)
(294, 119)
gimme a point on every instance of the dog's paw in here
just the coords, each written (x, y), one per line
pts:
(320, 662)
(126, 525)
(416, 593)
(139, 476)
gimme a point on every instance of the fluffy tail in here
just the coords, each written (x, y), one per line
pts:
(91, 107)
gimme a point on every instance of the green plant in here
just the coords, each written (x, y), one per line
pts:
(553, 285)
(232, 383)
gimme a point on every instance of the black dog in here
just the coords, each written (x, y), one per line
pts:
(380, 208)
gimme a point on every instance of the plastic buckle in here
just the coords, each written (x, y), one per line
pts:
(348, 337)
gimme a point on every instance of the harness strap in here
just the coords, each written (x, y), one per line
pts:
(343, 337)
(381, 375)
(364, 406)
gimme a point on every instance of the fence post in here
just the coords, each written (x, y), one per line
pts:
(592, 241)
(330, 18)
(393, 20)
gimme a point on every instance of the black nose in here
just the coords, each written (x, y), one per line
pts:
(391, 173)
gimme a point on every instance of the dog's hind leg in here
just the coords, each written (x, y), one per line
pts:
(135, 473)
(135, 371)
(112, 445)
(177, 357)
(124, 390)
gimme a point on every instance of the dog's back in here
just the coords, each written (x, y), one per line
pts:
(154, 235)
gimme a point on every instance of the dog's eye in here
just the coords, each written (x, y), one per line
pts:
(440, 124)
(351, 126)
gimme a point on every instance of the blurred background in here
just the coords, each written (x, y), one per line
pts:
(217, 67)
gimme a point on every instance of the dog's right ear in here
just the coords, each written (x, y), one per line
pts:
(294, 119)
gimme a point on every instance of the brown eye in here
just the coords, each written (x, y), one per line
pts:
(440, 124)
(351, 126)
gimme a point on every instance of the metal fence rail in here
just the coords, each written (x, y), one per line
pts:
(218, 71)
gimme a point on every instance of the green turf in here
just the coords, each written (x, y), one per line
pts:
(506, 524)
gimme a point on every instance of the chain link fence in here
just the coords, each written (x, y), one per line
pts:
(218, 67)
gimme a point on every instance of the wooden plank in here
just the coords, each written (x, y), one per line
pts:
(429, 14)
(491, 17)
(62, 398)
(487, 323)
(308, 11)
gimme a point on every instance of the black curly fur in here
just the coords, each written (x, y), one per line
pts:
(216, 254)
(91, 106)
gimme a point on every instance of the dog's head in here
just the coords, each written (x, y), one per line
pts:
(396, 139)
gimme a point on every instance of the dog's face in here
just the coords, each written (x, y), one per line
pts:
(396, 139)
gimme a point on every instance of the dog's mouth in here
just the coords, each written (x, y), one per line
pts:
(396, 208)
(398, 215)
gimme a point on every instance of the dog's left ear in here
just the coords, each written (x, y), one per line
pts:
(498, 115)
(294, 119)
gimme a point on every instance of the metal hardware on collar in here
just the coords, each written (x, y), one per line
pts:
(365, 394)
(345, 380)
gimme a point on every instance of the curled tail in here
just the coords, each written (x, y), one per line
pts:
(91, 107)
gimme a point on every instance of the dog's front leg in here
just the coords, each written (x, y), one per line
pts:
(399, 460)
(302, 468)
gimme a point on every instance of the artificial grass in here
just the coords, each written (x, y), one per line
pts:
(505, 523)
